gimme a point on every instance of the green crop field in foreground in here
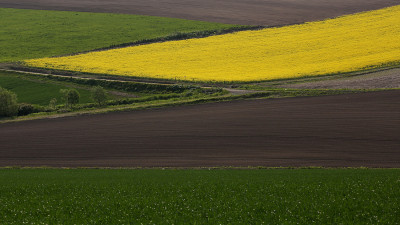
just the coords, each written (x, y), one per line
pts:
(27, 34)
(155, 196)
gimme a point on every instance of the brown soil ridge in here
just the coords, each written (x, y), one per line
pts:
(246, 12)
(389, 78)
(333, 131)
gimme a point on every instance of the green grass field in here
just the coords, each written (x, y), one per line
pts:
(27, 34)
(155, 196)
(39, 91)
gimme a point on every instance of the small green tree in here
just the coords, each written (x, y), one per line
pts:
(8, 103)
(99, 95)
(70, 96)
(53, 103)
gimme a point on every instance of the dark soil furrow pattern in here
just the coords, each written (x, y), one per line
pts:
(333, 131)
(246, 12)
(382, 79)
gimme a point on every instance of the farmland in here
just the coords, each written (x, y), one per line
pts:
(37, 33)
(27, 34)
(38, 91)
(246, 12)
(345, 44)
(313, 196)
(334, 131)
(203, 124)
(173, 92)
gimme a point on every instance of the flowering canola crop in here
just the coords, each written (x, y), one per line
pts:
(343, 44)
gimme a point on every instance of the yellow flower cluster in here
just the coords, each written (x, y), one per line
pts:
(344, 44)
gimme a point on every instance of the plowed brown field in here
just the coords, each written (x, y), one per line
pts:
(333, 131)
(382, 79)
(249, 12)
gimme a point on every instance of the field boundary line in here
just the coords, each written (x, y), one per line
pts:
(75, 77)
(230, 90)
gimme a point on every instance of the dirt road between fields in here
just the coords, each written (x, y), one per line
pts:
(332, 131)
(247, 12)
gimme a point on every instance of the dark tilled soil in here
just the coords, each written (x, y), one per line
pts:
(333, 131)
(250, 12)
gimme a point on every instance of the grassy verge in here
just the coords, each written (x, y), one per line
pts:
(299, 196)
(30, 34)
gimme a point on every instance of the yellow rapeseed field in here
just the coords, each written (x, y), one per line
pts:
(344, 44)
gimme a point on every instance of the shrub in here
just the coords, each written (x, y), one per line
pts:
(8, 103)
(70, 96)
(25, 109)
(53, 104)
(99, 95)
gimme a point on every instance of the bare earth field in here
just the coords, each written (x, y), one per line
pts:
(333, 131)
(382, 79)
(247, 12)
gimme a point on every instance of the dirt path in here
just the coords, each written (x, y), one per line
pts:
(123, 94)
(250, 12)
(233, 91)
(345, 130)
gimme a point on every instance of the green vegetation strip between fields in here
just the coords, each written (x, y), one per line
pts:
(190, 97)
(37, 88)
(27, 34)
(38, 91)
(221, 196)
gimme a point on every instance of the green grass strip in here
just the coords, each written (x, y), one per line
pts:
(39, 91)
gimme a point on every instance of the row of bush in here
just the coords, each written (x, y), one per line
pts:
(126, 101)
(9, 105)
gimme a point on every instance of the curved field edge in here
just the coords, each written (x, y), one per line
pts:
(363, 77)
(345, 44)
(182, 100)
(28, 34)
(158, 95)
(21, 66)
(35, 88)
